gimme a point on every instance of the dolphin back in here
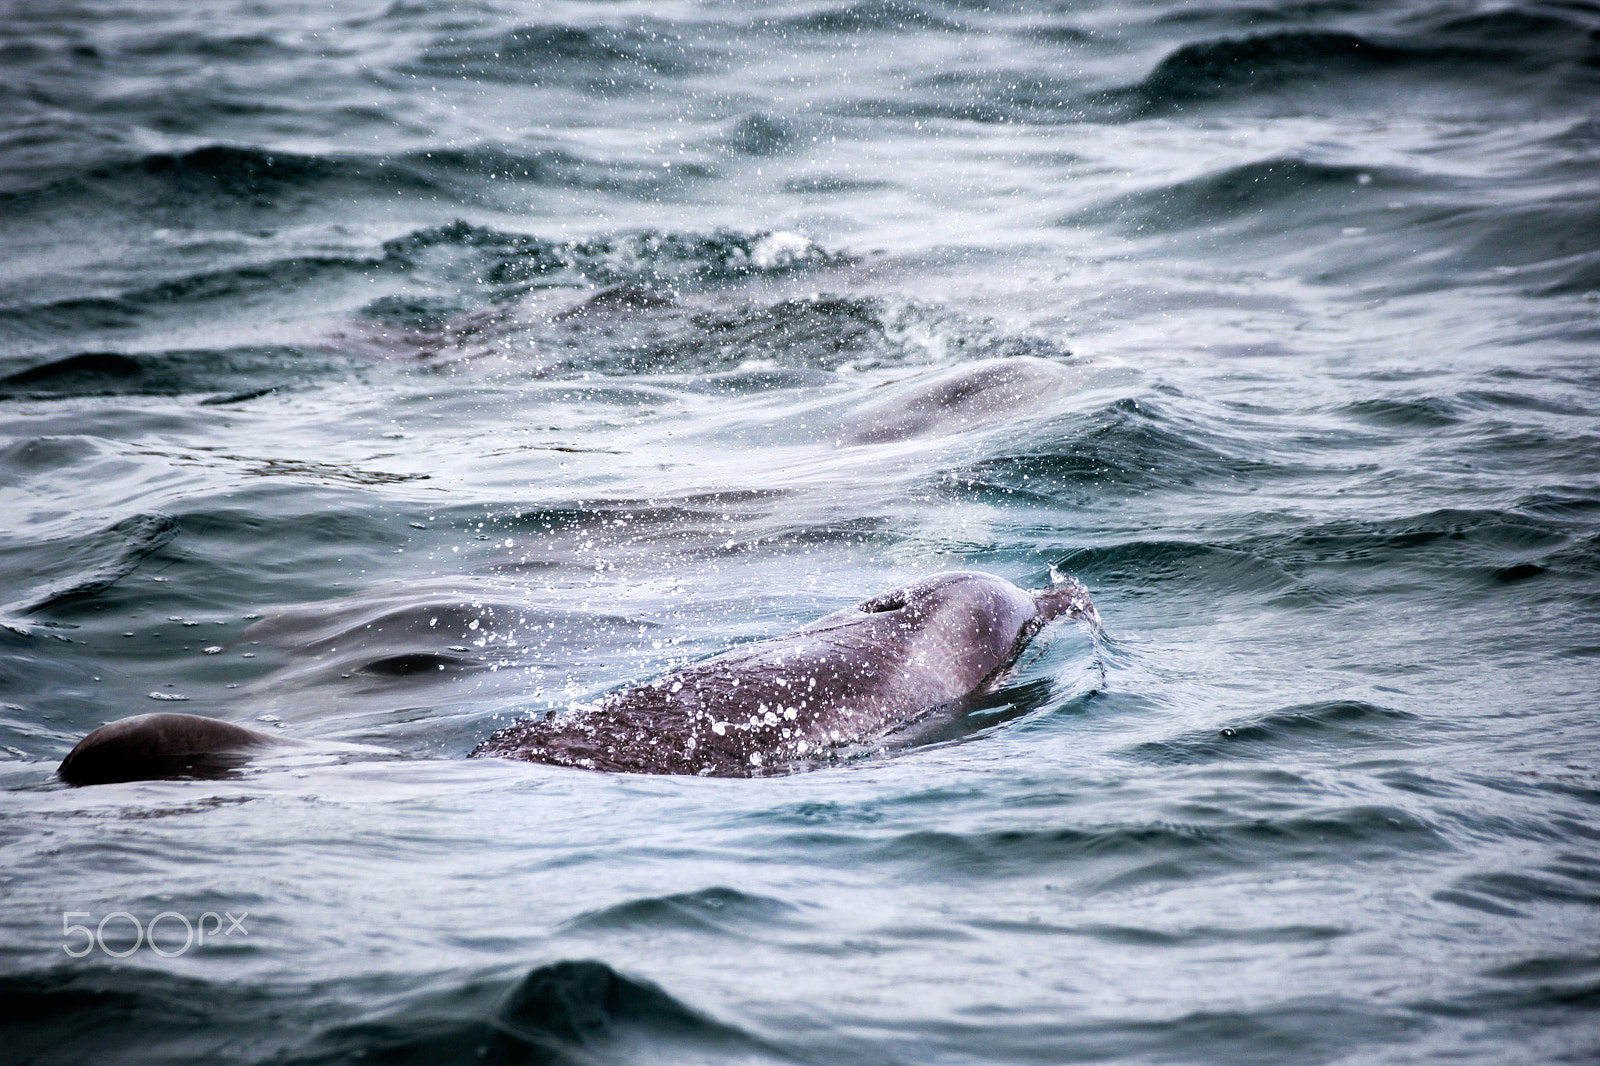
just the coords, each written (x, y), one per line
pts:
(160, 745)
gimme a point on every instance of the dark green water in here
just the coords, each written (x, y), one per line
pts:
(293, 394)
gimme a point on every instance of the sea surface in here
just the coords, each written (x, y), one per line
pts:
(382, 372)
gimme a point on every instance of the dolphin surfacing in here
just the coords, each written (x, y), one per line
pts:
(150, 746)
(851, 678)
(855, 677)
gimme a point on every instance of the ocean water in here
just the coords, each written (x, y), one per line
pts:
(385, 371)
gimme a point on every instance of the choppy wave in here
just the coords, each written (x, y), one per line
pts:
(1124, 857)
(868, 16)
(1522, 50)
(1506, 44)
(506, 265)
(1345, 726)
(597, 58)
(1132, 445)
(103, 560)
(587, 1011)
(1360, 209)
(1257, 191)
(478, 264)
(1218, 69)
(562, 1012)
(226, 179)
(232, 376)
(718, 910)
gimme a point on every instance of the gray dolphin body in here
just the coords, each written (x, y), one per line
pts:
(851, 678)
(855, 677)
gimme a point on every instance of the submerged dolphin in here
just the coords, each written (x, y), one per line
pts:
(855, 677)
(149, 746)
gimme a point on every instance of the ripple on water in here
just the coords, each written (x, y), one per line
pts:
(1336, 726)
(1120, 857)
(718, 910)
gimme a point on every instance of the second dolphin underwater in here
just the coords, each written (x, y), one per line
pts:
(854, 677)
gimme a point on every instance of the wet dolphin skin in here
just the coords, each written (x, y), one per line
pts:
(857, 675)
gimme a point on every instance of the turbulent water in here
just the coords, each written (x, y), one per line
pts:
(383, 372)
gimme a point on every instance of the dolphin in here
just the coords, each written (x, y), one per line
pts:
(149, 746)
(856, 677)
